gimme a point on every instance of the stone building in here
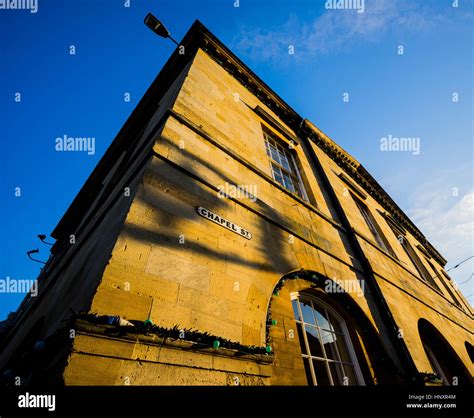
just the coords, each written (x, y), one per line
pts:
(223, 239)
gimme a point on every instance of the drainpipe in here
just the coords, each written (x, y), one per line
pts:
(403, 353)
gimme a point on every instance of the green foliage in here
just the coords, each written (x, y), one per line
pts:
(203, 338)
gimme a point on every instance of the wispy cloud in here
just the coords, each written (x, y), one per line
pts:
(334, 29)
(445, 215)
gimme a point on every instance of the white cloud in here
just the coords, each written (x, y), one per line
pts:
(334, 29)
(447, 221)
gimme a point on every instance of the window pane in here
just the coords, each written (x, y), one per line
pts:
(288, 183)
(301, 338)
(322, 319)
(286, 165)
(343, 351)
(267, 146)
(297, 188)
(313, 341)
(274, 154)
(284, 162)
(329, 341)
(307, 313)
(321, 373)
(309, 376)
(336, 326)
(337, 373)
(277, 175)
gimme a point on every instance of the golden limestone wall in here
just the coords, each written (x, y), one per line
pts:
(69, 282)
(176, 268)
(408, 296)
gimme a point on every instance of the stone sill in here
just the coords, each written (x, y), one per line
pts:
(109, 331)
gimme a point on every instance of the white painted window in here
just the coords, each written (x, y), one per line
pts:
(374, 227)
(283, 165)
(328, 354)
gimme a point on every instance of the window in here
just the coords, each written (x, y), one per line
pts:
(351, 184)
(451, 293)
(327, 350)
(444, 361)
(374, 228)
(413, 256)
(283, 165)
(436, 365)
(446, 286)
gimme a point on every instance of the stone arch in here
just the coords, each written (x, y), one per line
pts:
(374, 360)
(442, 357)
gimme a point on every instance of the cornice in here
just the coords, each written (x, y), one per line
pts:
(359, 174)
(199, 37)
(234, 66)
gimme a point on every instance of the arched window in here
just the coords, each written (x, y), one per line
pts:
(442, 357)
(328, 353)
(435, 364)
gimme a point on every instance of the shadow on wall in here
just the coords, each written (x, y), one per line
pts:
(163, 191)
(166, 221)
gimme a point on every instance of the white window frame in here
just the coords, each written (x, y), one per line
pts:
(294, 173)
(345, 332)
(374, 227)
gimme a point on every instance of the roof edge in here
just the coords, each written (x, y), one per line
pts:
(198, 36)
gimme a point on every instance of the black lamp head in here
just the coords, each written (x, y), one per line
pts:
(42, 237)
(156, 26)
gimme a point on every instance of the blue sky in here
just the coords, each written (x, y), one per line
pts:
(335, 52)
